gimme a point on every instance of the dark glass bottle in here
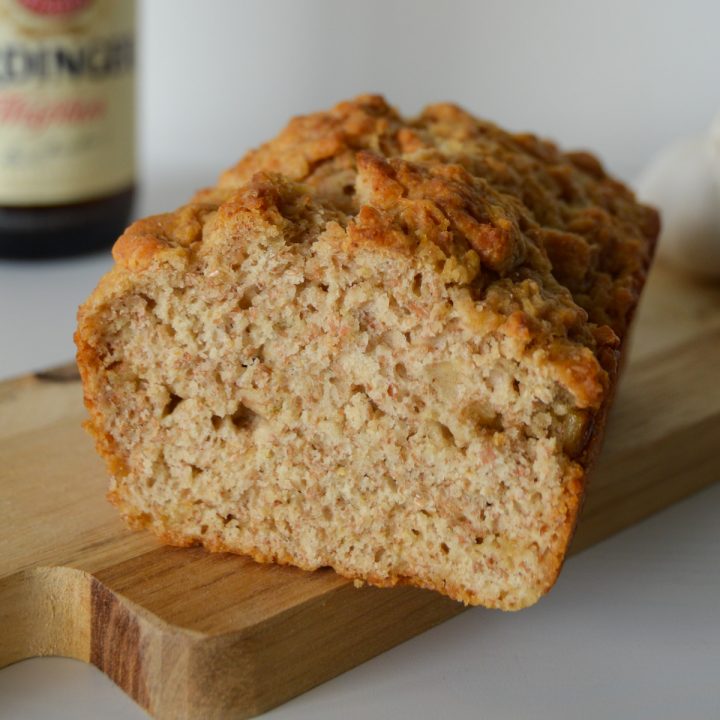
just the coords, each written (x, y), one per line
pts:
(67, 125)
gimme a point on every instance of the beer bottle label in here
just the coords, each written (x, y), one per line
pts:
(67, 100)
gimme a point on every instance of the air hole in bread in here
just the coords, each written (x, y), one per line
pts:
(245, 301)
(171, 404)
(481, 416)
(446, 434)
(243, 418)
(417, 284)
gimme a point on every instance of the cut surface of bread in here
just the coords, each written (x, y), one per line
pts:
(382, 345)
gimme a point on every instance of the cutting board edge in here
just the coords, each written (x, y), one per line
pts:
(167, 669)
(46, 611)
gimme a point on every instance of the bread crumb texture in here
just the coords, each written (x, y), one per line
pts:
(381, 345)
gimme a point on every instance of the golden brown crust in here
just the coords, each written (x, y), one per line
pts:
(599, 237)
(555, 249)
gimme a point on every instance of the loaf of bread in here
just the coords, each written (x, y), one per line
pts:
(383, 345)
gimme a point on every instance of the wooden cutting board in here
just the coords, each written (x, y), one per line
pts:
(188, 634)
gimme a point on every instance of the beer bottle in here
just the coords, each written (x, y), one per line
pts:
(67, 124)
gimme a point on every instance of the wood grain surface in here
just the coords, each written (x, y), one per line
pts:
(188, 634)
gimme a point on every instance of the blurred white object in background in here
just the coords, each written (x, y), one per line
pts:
(683, 182)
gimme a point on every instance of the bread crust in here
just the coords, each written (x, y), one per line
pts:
(556, 251)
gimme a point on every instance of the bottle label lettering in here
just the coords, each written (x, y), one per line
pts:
(67, 100)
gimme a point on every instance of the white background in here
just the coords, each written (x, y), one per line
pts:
(632, 629)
